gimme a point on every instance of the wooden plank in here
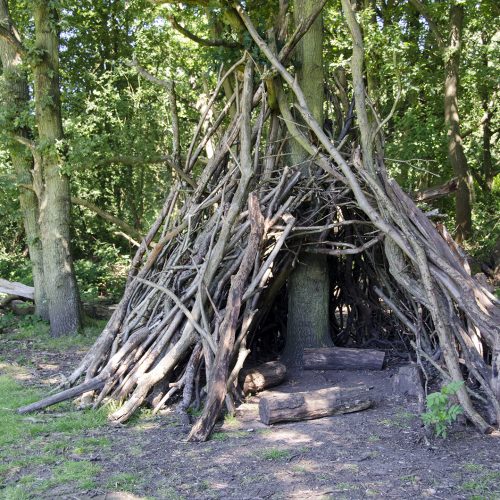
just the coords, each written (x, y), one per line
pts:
(281, 407)
(343, 358)
(17, 289)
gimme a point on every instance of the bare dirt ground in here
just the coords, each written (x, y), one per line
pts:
(378, 453)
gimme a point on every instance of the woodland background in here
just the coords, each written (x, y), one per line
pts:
(118, 130)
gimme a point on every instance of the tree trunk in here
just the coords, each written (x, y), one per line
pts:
(16, 97)
(309, 284)
(52, 182)
(456, 153)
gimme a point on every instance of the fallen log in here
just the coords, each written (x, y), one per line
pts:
(263, 376)
(343, 358)
(17, 289)
(281, 407)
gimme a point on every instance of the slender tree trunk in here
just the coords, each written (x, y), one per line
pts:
(309, 285)
(488, 164)
(456, 153)
(16, 97)
(53, 183)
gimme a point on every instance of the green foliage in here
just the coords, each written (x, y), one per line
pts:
(104, 275)
(441, 413)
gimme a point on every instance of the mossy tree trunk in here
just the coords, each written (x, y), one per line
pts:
(308, 286)
(15, 97)
(51, 182)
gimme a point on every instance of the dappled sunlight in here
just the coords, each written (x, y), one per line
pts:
(145, 426)
(288, 436)
(16, 372)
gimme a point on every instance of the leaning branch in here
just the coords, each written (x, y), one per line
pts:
(202, 41)
(126, 228)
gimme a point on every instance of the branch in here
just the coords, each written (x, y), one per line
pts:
(422, 10)
(126, 228)
(346, 251)
(202, 41)
(435, 192)
(138, 160)
(146, 74)
(194, 3)
(357, 63)
(12, 40)
(299, 32)
(25, 141)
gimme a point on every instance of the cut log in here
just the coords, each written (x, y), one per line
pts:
(17, 289)
(408, 381)
(436, 192)
(343, 358)
(263, 376)
(281, 407)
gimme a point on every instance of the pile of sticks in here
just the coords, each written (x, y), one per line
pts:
(224, 243)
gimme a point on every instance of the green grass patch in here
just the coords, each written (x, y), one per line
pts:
(17, 492)
(36, 332)
(125, 481)
(90, 444)
(29, 443)
(220, 436)
(275, 454)
(483, 485)
(82, 473)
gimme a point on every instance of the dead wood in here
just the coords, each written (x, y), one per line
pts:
(282, 407)
(262, 377)
(15, 289)
(343, 358)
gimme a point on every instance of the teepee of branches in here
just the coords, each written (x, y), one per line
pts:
(219, 253)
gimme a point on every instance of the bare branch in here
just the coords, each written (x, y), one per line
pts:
(423, 11)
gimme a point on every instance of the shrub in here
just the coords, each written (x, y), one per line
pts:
(441, 413)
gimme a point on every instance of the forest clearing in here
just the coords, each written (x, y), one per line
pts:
(250, 250)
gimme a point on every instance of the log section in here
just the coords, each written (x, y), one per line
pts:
(280, 407)
(343, 358)
(263, 376)
(17, 289)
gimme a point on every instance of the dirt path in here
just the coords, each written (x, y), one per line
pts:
(377, 453)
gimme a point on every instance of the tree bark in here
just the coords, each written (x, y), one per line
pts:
(456, 153)
(343, 358)
(16, 97)
(279, 407)
(52, 182)
(309, 284)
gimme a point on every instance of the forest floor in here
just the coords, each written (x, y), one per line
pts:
(380, 453)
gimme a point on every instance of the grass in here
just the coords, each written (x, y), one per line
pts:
(220, 436)
(231, 421)
(276, 454)
(37, 333)
(32, 447)
(401, 420)
(124, 481)
(483, 485)
(81, 472)
(90, 444)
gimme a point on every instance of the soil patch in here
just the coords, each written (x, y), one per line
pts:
(380, 453)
